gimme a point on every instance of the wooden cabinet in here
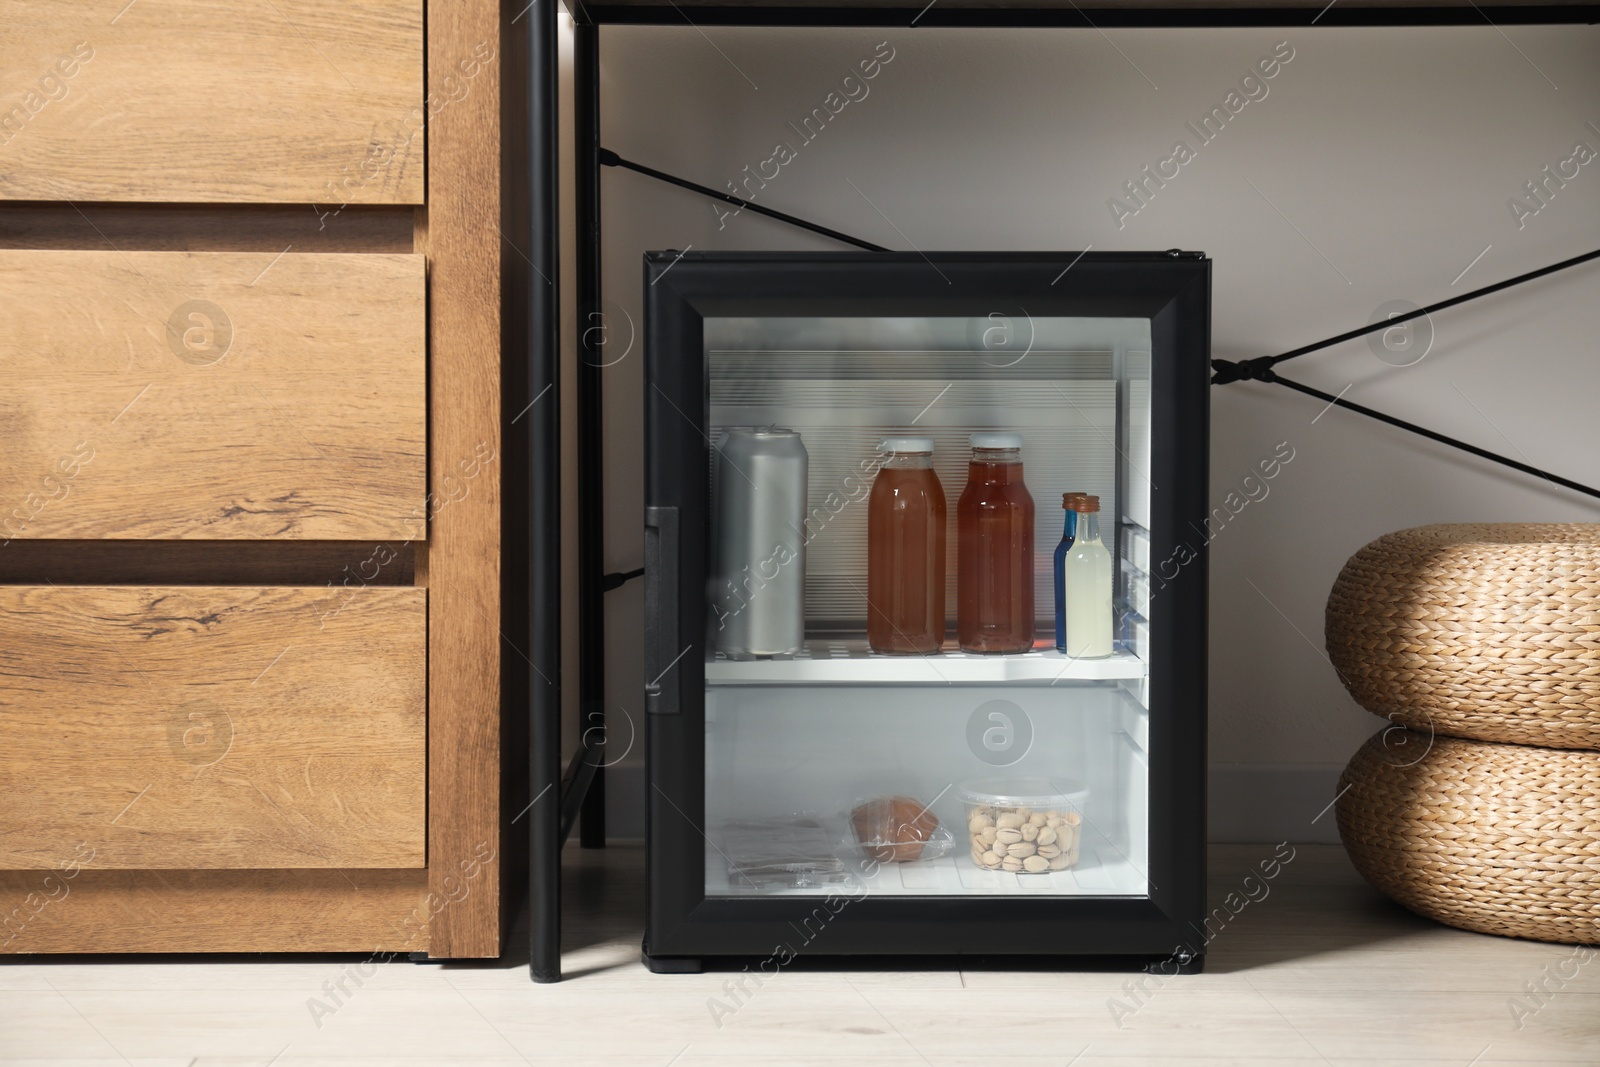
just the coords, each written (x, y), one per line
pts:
(199, 727)
(213, 395)
(213, 101)
(250, 497)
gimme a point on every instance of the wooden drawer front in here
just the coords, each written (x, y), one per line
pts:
(294, 101)
(212, 727)
(212, 395)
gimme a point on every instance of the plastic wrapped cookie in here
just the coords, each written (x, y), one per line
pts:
(898, 829)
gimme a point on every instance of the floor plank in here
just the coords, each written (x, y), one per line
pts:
(1322, 971)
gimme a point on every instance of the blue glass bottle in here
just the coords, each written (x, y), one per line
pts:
(1069, 531)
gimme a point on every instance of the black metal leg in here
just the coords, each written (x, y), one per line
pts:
(582, 768)
(533, 50)
(591, 422)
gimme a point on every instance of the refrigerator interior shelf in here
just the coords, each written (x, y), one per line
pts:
(1100, 872)
(848, 661)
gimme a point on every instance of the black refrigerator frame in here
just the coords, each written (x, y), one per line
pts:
(685, 930)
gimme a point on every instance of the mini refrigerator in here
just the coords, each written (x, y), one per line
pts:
(811, 798)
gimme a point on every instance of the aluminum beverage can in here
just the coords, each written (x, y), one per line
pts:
(758, 548)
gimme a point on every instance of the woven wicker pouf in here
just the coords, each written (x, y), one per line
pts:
(1500, 839)
(1489, 631)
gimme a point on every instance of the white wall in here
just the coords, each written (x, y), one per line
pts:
(1388, 158)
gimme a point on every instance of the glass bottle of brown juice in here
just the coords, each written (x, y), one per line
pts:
(994, 567)
(906, 551)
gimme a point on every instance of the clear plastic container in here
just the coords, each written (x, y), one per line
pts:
(898, 829)
(1024, 825)
(787, 852)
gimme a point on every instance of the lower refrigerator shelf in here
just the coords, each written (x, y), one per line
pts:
(849, 661)
(1100, 872)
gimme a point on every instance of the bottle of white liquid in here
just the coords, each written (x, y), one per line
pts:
(1086, 574)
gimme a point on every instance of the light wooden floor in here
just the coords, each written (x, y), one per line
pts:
(1322, 971)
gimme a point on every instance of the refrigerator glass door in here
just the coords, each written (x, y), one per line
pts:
(834, 769)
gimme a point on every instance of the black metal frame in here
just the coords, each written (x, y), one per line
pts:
(538, 119)
(683, 927)
(531, 568)
(591, 427)
(1096, 14)
(1261, 369)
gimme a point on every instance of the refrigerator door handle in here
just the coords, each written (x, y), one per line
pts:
(661, 608)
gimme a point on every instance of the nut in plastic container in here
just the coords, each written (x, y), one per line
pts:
(1024, 825)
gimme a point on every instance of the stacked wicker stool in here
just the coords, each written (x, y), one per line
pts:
(1480, 806)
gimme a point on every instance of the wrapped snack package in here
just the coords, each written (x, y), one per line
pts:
(788, 852)
(898, 829)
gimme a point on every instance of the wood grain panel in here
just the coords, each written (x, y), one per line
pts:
(205, 227)
(221, 396)
(293, 101)
(463, 556)
(346, 566)
(211, 727)
(213, 911)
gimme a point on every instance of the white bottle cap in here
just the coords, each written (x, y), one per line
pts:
(996, 440)
(906, 444)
